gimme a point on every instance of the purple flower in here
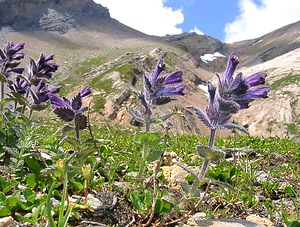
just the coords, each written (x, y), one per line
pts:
(157, 86)
(9, 56)
(42, 68)
(232, 95)
(19, 86)
(69, 110)
(41, 93)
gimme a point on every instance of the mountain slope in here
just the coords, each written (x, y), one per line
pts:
(101, 51)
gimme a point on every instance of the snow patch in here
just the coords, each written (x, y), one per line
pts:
(257, 42)
(204, 88)
(211, 57)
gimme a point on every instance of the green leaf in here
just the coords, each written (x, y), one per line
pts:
(150, 139)
(2, 197)
(85, 153)
(3, 183)
(235, 126)
(67, 129)
(4, 211)
(294, 224)
(186, 187)
(72, 141)
(154, 155)
(34, 166)
(148, 198)
(29, 194)
(31, 180)
(39, 107)
(78, 185)
(137, 201)
(2, 137)
(162, 119)
(290, 191)
(209, 153)
(25, 219)
(12, 202)
(158, 206)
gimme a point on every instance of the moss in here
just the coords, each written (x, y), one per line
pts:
(292, 128)
(289, 79)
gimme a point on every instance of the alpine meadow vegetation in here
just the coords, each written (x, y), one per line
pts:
(58, 168)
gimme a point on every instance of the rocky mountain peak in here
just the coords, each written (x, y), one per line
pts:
(49, 15)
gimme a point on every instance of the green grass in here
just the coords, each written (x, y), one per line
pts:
(87, 65)
(121, 154)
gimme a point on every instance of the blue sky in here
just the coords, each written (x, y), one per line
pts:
(226, 20)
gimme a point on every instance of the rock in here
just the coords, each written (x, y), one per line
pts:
(199, 219)
(7, 222)
(50, 15)
(174, 176)
(259, 220)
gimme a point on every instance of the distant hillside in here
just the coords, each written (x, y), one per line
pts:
(93, 48)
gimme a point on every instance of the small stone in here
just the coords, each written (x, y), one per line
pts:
(259, 220)
(227, 223)
(7, 222)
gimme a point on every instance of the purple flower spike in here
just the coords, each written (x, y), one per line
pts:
(71, 110)
(42, 68)
(11, 51)
(9, 56)
(232, 95)
(156, 85)
(41, 93)
(19, 86)
(157, 90)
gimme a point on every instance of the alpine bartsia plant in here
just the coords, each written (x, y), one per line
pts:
(71, 110)
(9, 62)
(156, 86)
(233, 93)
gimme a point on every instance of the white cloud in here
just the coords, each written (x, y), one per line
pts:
(257, 20)
(148, 16)
(197, 30)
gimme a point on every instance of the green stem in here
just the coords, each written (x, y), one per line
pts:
(2, 94)
(143, 162)
(144, 154)
(204, 166)
(77, 134)
(26, 96)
